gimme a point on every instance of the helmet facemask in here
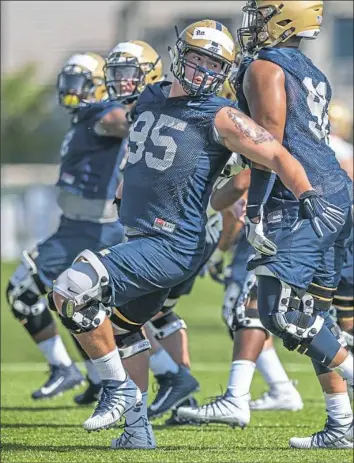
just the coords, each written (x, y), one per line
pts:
(124, 72)
(76, 87)
(253, 34)
(212, 80)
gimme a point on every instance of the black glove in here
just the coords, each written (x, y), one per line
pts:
(117, 202)
(320, 212)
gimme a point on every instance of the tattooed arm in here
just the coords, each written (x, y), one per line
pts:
(240, 134)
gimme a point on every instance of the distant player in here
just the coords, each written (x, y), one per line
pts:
(89, 170)
(182, 137)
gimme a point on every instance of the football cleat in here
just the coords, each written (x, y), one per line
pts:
(90, 395)
(136, 436)
(225, 409)
(115, 400)
(333, 436)
(174, 388)
(61, 379)
(275, 399)
(174, 420)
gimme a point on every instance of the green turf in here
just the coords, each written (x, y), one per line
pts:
(51, 431)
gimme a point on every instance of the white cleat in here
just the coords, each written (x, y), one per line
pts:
(274, 399)
(334, 436)
(136, 436)
(115, 400)
(226, 409)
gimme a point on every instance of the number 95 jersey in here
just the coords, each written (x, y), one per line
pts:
(173, 163)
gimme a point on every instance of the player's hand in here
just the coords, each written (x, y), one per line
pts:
(216, 266)
(213, 228)
(255, 236)
(319, 212)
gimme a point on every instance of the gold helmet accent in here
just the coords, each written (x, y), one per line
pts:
(81, 81)
(267, 23)
(341, 120)
(130, 67)
(206, 37)
(228, 89)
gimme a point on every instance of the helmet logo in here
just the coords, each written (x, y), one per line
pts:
(219, 37)
(319, 19)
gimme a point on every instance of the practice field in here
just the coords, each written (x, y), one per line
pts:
(51, 431)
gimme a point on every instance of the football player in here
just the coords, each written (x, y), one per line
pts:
(130, 66)
(283, 91)
(86, 188)
(169, 354)
(181, 138)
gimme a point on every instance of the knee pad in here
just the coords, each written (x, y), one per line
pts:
(235, 314)
(25, 294)
(289, 313)
(167, 324)
(248, 319)
(25, 290)
(130, 344)
(85, 287)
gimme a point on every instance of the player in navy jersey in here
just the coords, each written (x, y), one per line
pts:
(89, 169)
(181, 139)
(298, 266)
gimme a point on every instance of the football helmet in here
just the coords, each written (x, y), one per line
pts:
(81, 81)
(228, 89)
(267, 23)
(206, 37)
(341, 120)
(130, 66)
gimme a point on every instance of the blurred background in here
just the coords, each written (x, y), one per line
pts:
(37, 37)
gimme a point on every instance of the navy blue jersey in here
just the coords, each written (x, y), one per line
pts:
(89, 162)
(306, 133)
(173, 163)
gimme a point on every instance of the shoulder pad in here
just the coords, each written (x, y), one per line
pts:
(153, 93)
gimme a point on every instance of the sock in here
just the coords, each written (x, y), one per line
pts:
(241, 376)
(110, 366)
(270, 367)
(338, 407)
(345, 369)
(55, 352)
(92, 372)
(134, 414)
(161, 362)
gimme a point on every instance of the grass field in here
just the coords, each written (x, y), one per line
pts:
(51, 431)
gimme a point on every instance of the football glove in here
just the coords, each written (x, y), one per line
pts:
(320, 213)
(255, 236)
(216, 266)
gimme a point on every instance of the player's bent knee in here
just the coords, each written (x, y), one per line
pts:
(248, 319)
(81, 294)
(287, 312)
(167, 324)
(25, 295)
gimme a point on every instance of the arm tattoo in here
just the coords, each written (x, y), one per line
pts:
(254, 132)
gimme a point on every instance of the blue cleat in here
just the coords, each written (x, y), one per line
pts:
(61, 379)
(90, 395)
(174, 388)
(116, 399)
